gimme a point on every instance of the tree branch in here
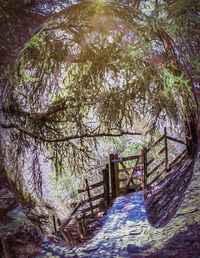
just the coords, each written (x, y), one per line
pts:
(65, 138)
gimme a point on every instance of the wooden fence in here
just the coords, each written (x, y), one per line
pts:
(154, 174)
(121, 175)
(81, 212)
(103, 199)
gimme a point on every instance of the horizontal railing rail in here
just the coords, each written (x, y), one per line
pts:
(175, 140)
(126, 158)
(155, 143)
(155, 156)
(91, 187)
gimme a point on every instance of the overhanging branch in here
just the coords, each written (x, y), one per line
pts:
(65, 138)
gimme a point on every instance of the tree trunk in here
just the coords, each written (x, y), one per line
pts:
(191, 135)
(192, 123)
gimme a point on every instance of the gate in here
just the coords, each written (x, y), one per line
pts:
(127, 174)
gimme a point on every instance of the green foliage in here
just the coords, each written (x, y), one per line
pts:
(175, 84)
(181, 20)
(88, 71)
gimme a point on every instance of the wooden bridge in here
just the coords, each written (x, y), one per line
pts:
(120, 176)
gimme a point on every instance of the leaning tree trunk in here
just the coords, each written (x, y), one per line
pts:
(191, 133)
(192, 122)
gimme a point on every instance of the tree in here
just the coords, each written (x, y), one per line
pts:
(180, 23)
(89, 71)
(63, 72)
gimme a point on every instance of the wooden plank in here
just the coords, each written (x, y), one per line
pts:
(166, 147)
(106, 186)
(117, 160)
(157, 167)
(131, 157)
(94, 198)
(155, 156)
(112, 175)
(83, 225)
(93, 208)
(96, 185)
(54, 224)
(175, 140)
(144, 170)
(157, 177)
(97, 197)
(124, 167)
(78, 228)
(177, 159)
(91, 187)
(123, 179)
(116, 167)
(88, 192)
(155, 143)
(64, 236)
(66, 221)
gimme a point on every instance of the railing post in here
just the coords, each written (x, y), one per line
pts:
(78, 228)
(106, 186)
(83, 224)
(89, 196)
(54, 224)
(112, 175)
(116, 166)
(166, 147)
(144, 170)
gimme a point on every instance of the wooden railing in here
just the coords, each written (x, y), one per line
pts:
(105, 195)
(121, 175)
(82, 212)
(155, 174)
